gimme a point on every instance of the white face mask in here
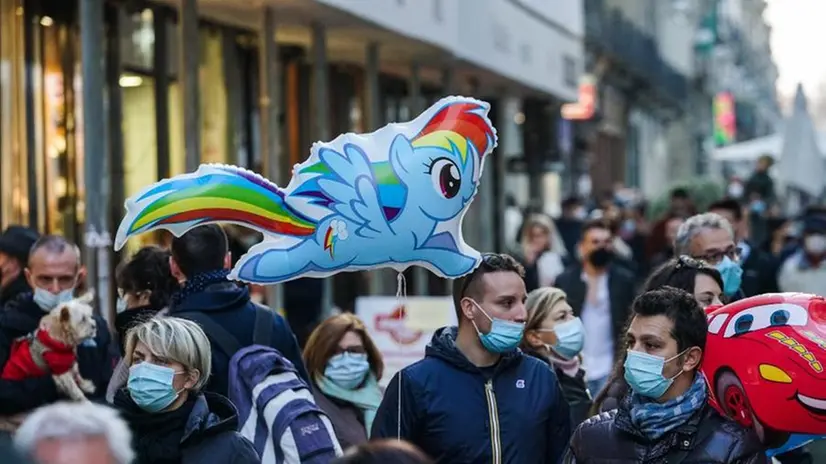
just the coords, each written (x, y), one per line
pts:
(735, 190)
(815, 244)
(49, 301)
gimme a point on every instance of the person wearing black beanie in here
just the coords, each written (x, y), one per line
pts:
(15, 243)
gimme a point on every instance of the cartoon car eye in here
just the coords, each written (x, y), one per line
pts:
(445, 177)
(762, 317)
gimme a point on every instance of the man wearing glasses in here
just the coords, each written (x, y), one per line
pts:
(710, 237)
(475, 398)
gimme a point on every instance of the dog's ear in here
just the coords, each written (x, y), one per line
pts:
(87, 298)
(65, 314)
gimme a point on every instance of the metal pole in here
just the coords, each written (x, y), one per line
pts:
(374, 120)
(421, 276)
(96, 163)
(190, 63)
(321, 107)
(270, 101)
(504, 121)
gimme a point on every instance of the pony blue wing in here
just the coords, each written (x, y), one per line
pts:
(352, 187)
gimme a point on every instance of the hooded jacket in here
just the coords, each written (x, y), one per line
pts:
(209, 433)
(456, 412)
(230, 307)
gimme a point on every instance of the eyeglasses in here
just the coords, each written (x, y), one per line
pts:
(732, 253)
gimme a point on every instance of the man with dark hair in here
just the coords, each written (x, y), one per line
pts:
(666, 416)
(53, 272)
(569, 224)
(15, 244)
(600, 293)
(759, 268)
(201, 261)
(475, 397)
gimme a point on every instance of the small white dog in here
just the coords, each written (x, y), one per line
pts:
(52, 348)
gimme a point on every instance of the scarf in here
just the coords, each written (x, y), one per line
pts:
(653, 420)
(367, 398)
(569, 367)
(197, 284)
(156, 437)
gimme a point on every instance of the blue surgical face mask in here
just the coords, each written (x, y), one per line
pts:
(150, 386)
(644, 373)
(48, 301)
(347, 370)
(570, 336)
(121, 305)
(504, 335)
(732, 274)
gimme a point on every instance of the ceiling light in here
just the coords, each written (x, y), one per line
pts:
(130, 80)
(46, 21)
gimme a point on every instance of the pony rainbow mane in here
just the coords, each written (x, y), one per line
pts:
(459, 125)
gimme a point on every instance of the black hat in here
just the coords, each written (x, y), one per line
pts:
(17, 241)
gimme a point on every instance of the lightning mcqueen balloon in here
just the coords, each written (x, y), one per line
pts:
(764, 362)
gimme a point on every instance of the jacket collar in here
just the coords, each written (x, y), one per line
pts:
(443, 346)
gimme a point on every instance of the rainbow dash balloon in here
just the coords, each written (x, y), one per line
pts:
(393, 198)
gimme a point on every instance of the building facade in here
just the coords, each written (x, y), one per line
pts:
(175, 84)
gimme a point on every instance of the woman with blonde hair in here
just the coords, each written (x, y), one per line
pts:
(542, 251)
(172, 420)
(345, 367)
(555, 336)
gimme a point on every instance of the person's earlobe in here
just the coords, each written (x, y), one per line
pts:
(694, 356)
(193, 378)
(29, 280)
(467, 308)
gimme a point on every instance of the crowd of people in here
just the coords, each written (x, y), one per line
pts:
(583, 346)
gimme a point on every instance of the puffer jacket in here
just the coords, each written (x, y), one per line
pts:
(706, 437)
(513, 412)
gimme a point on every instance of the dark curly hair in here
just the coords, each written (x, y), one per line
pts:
(681, 273)
(148, 269)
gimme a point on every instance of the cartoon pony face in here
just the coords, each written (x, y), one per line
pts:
(443, 178)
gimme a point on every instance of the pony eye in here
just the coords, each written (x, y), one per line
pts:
(445, 177)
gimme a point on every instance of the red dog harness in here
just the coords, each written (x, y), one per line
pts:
(38, 355)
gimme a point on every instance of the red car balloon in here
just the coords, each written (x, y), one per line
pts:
(765, 363)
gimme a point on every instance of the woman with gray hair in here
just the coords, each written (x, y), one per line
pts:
(171, 419)
(555, 336)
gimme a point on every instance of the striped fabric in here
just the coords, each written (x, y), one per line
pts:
(276, 410)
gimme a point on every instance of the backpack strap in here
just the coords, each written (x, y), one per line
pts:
(262, 330)
(218, 335)
(678, 455)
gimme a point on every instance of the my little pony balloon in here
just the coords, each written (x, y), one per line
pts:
(764, 362)
(393, 198)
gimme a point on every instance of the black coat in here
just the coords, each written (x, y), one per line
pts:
(621, 290)
(610, 438)
(21, 317)
(574, 390)
(759, 273)
(208, 435)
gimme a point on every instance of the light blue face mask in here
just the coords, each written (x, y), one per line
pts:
(150, 386)
(644, 373)
(48, 301)
(347, 370)
(504, 335)
(121, 305)
(570, 337)
(732, 275)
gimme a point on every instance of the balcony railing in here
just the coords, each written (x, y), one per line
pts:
(610, 33)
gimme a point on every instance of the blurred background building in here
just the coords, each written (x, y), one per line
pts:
(171, 84)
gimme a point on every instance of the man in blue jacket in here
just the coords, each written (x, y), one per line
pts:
(201, 261)
(475, 398)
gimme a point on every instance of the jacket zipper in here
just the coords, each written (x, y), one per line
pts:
(493, 415)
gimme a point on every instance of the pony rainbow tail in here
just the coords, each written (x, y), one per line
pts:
(460, 123)
(214, 193)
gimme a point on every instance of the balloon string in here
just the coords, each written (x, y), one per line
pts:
(401, 287)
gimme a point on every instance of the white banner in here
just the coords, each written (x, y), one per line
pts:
(401, 329)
